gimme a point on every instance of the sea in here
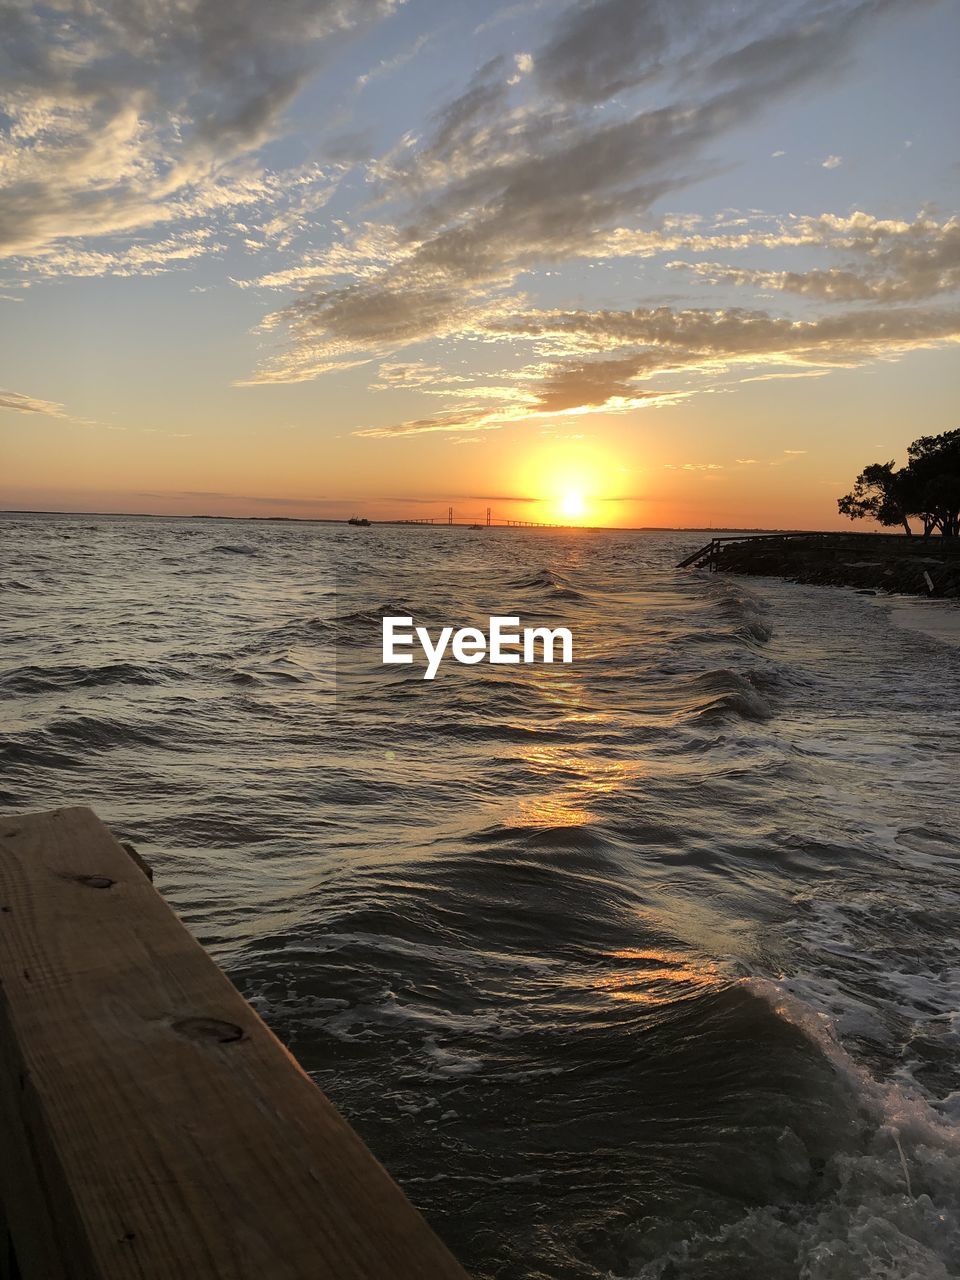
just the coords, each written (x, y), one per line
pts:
(646, 966)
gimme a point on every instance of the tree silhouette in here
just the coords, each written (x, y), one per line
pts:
(926, 489)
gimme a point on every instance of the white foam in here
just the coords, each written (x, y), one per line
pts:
(890, 1211)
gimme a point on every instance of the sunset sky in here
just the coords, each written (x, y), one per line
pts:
(673, 263)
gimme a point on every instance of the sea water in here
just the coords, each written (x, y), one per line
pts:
(645, 965)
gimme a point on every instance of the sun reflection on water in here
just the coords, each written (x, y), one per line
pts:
(654, 976)
(582, 777)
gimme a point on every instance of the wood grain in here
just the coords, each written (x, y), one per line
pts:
(151, 1126)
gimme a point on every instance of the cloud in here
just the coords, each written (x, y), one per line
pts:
(471, 419)
(778, 377)
(17, 402)
(789, 455)
(137, 257)
(638, 346)
(652, 343)
(594, 384)
(599, 50)
(886, 260)
(496, 187)
(665, 334)
(693, 466)
(388, 65)
(410, 375)
(20, 403)
(524, 65)
(143, 122)
(121, 115)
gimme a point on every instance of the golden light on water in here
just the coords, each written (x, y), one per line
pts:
(655, 976)
(572, 782)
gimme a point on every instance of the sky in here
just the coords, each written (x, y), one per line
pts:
(629, 263)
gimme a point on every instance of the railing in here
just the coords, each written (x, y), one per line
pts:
(708, 555)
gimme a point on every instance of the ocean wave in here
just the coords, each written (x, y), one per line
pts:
(547, 583)
(311, 630)
(747, 613)
(729, 694)
(280, 671)
(887, 1209)
(95, 733)
(39, 754)
(35, 679)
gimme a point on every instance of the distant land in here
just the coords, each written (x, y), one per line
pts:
(438, 523)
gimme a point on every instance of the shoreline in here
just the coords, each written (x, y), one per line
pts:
(892, 564)
(938, 619)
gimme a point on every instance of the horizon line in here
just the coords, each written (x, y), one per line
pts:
(424, 524)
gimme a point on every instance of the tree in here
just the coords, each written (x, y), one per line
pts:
(935, 470)
(878, 494)
(927, 488)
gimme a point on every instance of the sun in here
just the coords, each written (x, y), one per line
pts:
(570, 481)
(572, 505)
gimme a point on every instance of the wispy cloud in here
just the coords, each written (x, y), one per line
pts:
(386, 66)
(651, 342)
(693, 466)
(137, 114)
(886, 260)
(18, 402)
(21, 403)
(778, 377)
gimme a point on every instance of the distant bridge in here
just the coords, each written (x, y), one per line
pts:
(490, 522)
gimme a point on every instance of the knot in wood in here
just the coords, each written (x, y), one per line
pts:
(96, 882)
(209, 1029)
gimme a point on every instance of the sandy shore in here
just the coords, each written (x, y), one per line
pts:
(937, 618)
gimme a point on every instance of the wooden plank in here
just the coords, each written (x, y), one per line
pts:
(151, 1126)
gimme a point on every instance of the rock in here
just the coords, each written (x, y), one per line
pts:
(867, 562)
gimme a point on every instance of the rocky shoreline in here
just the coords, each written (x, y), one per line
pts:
(878, 562)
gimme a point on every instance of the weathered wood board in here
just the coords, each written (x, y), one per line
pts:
(151, 1126)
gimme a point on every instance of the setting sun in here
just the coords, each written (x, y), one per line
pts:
(571, 482)
(572, 505)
